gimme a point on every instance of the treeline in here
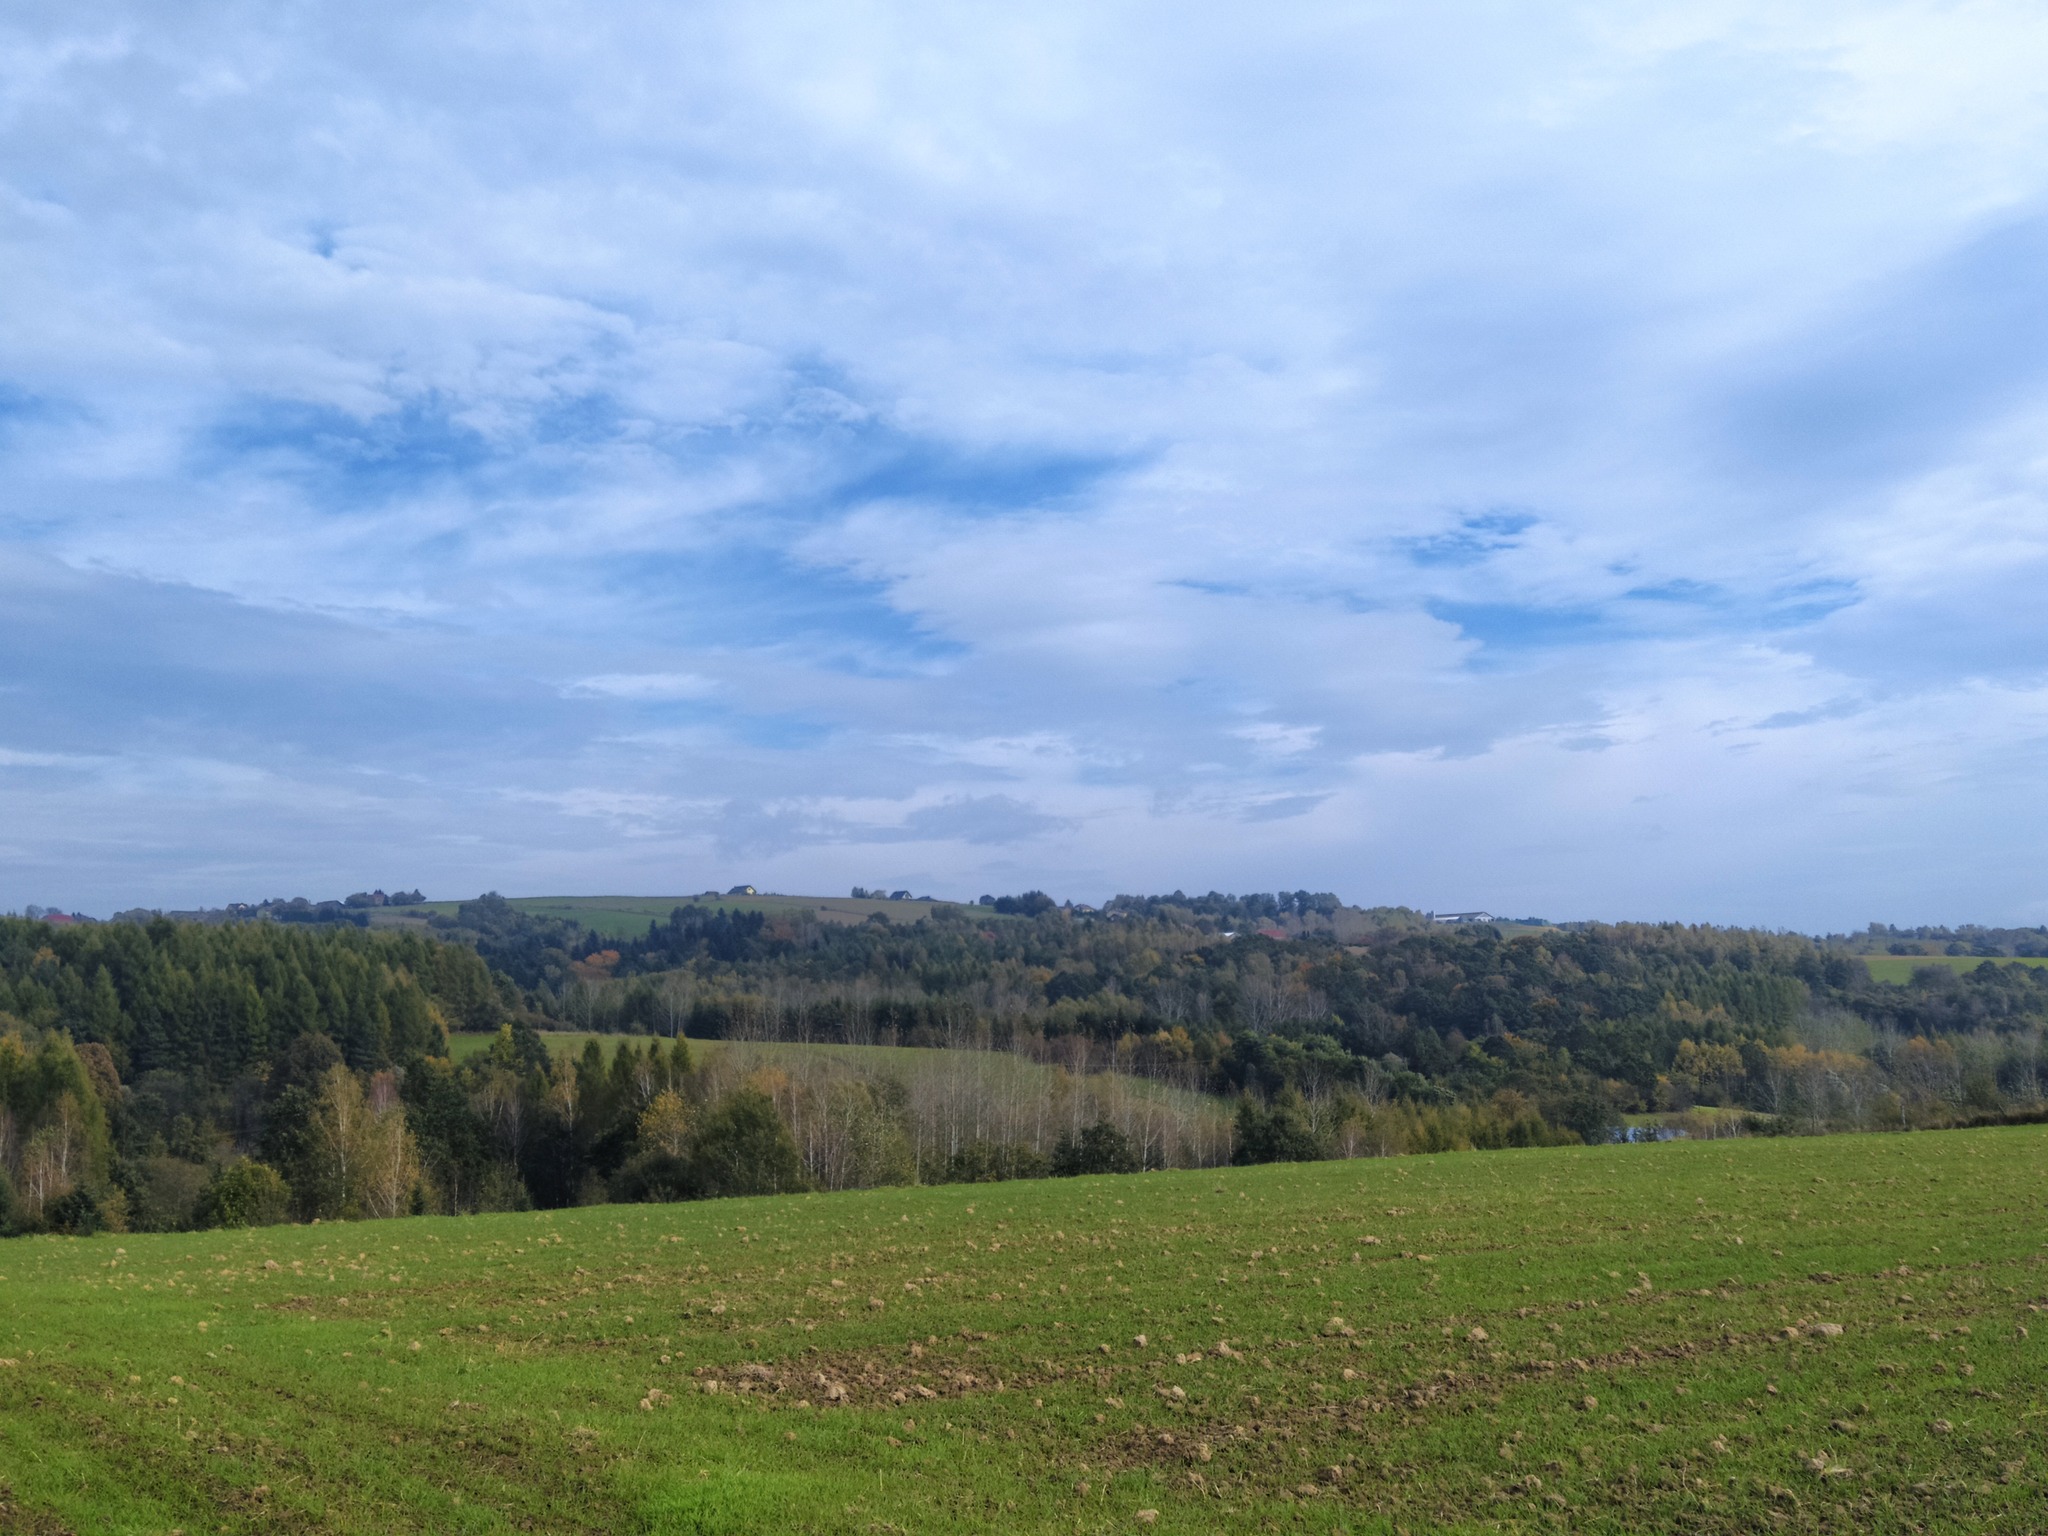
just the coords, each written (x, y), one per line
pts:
(161, 1074)
(167, 1076)
(164, 1076)
(215, 1002)
(312, 1138)
(1968, 939)
(1585, 1022)
(138, 1060)
(536, 953)
(511, 1128)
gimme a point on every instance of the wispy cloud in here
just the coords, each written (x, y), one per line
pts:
(9, 758)
(648, 686)
(1277, 740)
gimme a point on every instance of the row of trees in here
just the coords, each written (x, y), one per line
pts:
(1892, 1084)
(1572, 1018)
(1148, 969)
(1968, 939)
(512, 1128)
(161, 1074)
(218, 1001)
(320, 1140)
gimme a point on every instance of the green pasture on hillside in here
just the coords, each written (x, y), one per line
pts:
(1898, 969)
(893, 1060)
(1801, 1335)
(621, 917)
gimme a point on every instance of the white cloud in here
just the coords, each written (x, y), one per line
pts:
(645, 686)
(9, 758)
(1280, 740)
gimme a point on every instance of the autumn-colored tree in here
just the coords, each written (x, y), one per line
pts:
(362, 1148)
(665, 1125)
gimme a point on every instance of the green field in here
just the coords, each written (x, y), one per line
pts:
(1898, 969)
(620, 917)
(1807, 1335)
(1002, 1073)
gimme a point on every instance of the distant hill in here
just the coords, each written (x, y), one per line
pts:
(1297, 1025)
(618, 917)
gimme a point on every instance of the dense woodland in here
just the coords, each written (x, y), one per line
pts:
(158, 1074)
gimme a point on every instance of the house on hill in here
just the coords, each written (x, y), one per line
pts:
(1461, 917)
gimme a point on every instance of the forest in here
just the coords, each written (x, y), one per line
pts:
(159, 1074)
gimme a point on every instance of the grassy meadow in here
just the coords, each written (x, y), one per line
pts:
(625, 917)
(1804, 1335)
(1897, 970)
(997, 1068)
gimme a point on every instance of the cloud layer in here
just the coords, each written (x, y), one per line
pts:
(1584, 462)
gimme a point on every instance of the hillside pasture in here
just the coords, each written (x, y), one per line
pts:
(1897, 970)
(625, 917)
(891, 1059)
(1839, 1334)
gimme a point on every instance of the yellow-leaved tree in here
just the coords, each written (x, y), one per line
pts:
(366, 1153)
(665, 1124)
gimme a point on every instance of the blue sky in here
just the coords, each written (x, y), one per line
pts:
(1580, 460)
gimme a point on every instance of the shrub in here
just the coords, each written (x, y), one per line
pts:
(1591, 1115)
(655, 1175)
(742, 1148)
(987, 1162)
(76, 1214)
(163, 1192)
(1102, 1149)
(1276, 1134)
(503, 1190)
(244, 1193)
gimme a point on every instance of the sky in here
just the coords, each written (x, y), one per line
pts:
(1587, 461)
